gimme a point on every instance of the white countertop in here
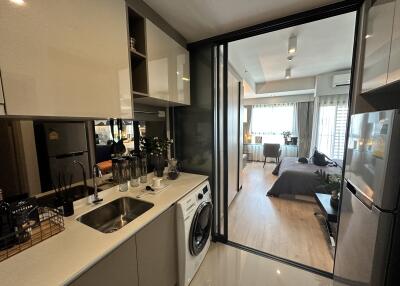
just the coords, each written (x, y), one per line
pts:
(62, 258)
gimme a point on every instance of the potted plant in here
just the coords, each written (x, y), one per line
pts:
(286, 137)
(331, 184)
(155, 149)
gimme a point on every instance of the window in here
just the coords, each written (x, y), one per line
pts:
(269, 121)
(332, 119)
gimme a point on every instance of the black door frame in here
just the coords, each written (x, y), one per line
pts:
(222, 41)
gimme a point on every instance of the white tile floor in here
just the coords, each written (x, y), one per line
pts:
(228, 266)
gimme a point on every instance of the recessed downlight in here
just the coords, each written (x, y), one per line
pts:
(292, 47)
(288, 73)
(18, 2)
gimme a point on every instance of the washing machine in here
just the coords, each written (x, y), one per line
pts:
(194, 221)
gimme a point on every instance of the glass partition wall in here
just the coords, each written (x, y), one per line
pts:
(279, 96)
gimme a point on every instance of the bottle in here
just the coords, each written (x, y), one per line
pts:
(143, 170)
(7, 234)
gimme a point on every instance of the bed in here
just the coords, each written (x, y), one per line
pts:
(297, 179)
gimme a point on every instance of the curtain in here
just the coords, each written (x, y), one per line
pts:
(332, 121)
(305, 112)
(269, 121)
(246, 125)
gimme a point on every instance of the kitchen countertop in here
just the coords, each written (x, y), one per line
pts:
(61, 259)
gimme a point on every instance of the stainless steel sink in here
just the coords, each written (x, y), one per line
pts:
(115, 215)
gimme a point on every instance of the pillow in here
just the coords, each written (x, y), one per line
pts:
(303, 160)
(319, 159)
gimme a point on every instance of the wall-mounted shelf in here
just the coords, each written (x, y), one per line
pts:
(137, 31)
(138, 55)
(138, 94)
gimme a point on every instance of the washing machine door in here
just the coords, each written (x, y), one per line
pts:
(201, 228)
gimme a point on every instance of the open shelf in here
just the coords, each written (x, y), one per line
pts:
(137, 30)
(136, 54)
(138, 94)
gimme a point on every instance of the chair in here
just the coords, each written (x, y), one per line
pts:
(272, 151)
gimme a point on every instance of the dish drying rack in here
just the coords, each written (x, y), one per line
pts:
(47, 223)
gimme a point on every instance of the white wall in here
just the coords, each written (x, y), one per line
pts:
(298, 85)
(323, 84)
(279, 99)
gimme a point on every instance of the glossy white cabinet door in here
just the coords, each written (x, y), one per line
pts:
(168, 67)
(394, 63)
(65, 58)
(377, 47)
(182, 94)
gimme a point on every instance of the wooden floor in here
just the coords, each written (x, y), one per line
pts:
(283, 227)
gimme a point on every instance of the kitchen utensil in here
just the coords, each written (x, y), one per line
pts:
(148, 188)
(113, 146)
(120, 147)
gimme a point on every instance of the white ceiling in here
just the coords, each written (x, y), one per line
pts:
(200, 19)
(322, 46)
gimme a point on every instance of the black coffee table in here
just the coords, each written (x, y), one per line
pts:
(329, 213)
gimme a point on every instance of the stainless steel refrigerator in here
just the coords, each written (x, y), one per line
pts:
(369, 229)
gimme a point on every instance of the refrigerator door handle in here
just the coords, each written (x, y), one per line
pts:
(71, 154)
(359, 195)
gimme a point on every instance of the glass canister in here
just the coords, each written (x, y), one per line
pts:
(134, 171)
(115, 170)
(173, 170)
(143, 170)
(124, 173)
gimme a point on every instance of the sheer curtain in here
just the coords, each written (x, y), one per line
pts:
(332, 120)
(269, 121)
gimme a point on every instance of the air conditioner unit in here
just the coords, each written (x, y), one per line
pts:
(341, 80)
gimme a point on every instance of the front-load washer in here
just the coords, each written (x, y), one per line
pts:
(194, 221)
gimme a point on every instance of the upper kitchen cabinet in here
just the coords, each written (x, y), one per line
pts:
(65, 58)
(378, 44)
(394, 62)
(168, 69)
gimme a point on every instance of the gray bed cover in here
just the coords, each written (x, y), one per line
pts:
(295, 178)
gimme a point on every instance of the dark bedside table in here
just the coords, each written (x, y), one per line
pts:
(329, 213)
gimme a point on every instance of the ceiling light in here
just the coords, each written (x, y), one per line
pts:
(288, 73)
(292, 47)
(278, 271)
(185, 79)
(290, 58)
(18, 2)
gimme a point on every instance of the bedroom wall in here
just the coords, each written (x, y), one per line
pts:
(287, 86)
(279, 99)
(323, 84)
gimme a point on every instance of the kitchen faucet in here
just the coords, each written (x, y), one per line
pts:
(96, 174)
(76, 162)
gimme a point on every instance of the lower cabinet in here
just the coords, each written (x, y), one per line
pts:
(157, 252)
(119, 268)
(149, 258)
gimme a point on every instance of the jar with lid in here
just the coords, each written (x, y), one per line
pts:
(134, 167)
